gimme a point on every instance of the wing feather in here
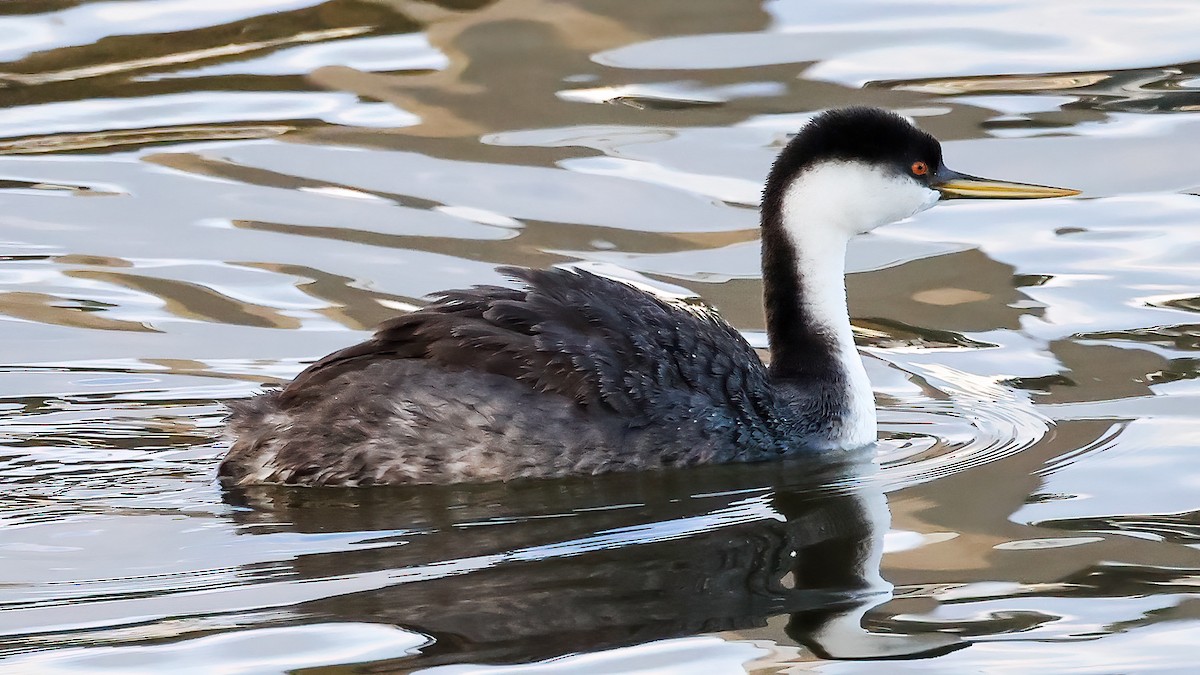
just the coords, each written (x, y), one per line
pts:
(600, 342)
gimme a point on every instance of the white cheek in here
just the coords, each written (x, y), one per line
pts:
(900, 197)
(849, 198)
(931, 198)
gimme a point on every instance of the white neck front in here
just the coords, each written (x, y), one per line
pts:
(819, 235)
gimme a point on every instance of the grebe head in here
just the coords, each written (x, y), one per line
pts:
(851, 170)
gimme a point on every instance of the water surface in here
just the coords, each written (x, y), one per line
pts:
(201, 198)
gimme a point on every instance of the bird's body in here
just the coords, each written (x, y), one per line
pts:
(496, 383)
(574, 373)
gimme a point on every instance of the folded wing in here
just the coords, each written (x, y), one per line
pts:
(600, 342)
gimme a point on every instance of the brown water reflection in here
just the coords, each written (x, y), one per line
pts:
(200, 197)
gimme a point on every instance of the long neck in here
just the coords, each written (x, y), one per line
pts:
(808, 325)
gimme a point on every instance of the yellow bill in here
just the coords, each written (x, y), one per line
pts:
(953, 184)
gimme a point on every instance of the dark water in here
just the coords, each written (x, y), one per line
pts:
(197, 198)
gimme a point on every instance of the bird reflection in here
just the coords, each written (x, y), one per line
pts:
(521, 572)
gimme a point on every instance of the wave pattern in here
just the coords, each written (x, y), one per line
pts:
(200, 198)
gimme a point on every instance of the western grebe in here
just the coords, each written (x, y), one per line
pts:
(574, 373)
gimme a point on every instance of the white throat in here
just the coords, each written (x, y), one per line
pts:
(821, 264)
(821, 210)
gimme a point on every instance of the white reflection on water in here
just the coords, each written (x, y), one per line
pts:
(856, 43)
(250, 652)
(956, 39)
(377, 53)
(683, 656)
(86, 23)
(199, 108)
(1147, 454)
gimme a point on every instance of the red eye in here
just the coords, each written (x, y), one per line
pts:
(920, 168)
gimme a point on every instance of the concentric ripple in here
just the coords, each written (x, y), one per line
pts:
(968, 421)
